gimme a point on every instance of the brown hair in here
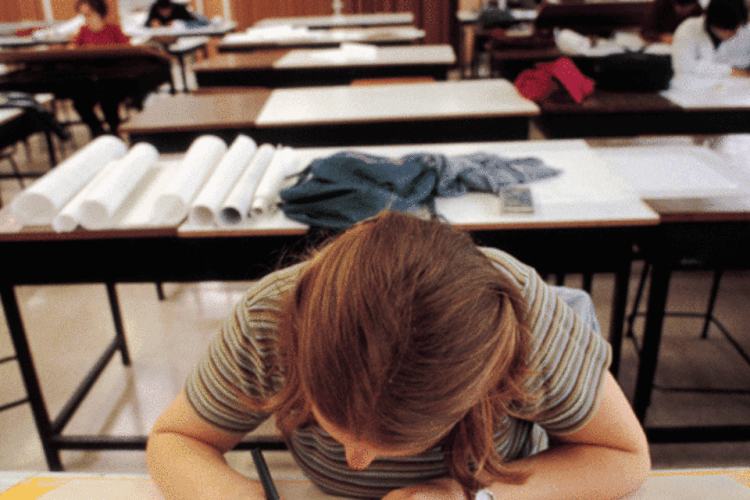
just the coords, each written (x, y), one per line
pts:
(401, 331)
(98, 6)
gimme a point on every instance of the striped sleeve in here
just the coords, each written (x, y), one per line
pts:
(568, 358)
(241, 363)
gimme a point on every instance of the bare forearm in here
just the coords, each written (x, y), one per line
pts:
(187, 469)
(578, 471)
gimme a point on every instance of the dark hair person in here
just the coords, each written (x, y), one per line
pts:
(402, 361)
(712, 47)
(165, 12)
(96, 31)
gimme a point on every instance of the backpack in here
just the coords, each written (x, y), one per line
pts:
(628, 71)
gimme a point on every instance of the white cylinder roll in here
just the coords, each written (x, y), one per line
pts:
(69, 217)
(200, 160)
(283, 164)
(39, 204)
(237, 204)
(205, 208)
(102, 203)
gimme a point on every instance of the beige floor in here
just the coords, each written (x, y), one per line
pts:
(69, 325)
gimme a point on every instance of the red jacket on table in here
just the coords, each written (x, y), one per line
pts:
(110, 35)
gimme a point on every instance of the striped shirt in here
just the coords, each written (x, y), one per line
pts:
(568, 357)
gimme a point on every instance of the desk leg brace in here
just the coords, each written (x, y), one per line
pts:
(50, 432)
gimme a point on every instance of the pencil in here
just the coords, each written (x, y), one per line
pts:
(264, 475)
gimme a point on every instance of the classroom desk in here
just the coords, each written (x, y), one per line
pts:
(451, 111)
(213, 29)
(342, 20)
(700, 231)
(681, 484)
(18, 124)
(612, 114)
(13, 42)
(63, 72)
(308, 67)
(387, 35)
(587, 205)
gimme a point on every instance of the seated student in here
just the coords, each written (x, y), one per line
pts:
(96, 31)
(665, 16)
(402, 361)
(165, 12)
(712, 46)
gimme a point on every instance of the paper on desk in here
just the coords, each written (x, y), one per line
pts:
(101, 204)
(39, 204)
(172, 206)
(670, 172)
(205, 209)
(282, 166)
(236, 207)
(695, 92)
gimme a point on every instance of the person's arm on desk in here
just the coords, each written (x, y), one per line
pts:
(606, 459)
(185, 457)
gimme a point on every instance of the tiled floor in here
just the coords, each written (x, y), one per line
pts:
(69, 325)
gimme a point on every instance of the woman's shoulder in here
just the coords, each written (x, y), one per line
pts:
(273, 287)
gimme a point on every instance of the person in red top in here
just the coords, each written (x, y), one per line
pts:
(96, 31)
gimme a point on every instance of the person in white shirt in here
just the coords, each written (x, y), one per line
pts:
(712, 46)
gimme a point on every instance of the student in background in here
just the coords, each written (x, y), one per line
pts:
(665, 16)
(165, 12)
(712, 46)
(402, 361)
(96, 31)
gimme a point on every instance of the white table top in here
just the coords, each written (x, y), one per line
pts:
(587, 193)
(213, 29)
(8, 114)
(433, 100)
(693, 484)
(276, 35)
(377, 19)
(386, 56)
(692, 177)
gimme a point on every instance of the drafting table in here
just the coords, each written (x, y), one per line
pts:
(451, 111)
(587, 205)
(260, 39)
(336, 66)
(343, 20)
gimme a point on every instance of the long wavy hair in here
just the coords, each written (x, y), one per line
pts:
(401, 331)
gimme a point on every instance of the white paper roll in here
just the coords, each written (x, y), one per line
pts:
(207, 204)
(235, 208)
(38, 204)
(69, 217)
(266, 198)
(200, 160)
(101, 204)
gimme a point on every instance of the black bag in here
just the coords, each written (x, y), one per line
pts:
(629, 71)
(493, 17)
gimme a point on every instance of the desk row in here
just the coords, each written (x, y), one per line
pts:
(216, 186)
(415, 113)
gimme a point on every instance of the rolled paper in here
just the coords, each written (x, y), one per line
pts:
(69, 217)
(39, 204)
(101, 203)
(172, 206)
(235, 208)
(283, 164)
(206, 207)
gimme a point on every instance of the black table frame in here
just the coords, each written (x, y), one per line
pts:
(715, 245)
(168, 257)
